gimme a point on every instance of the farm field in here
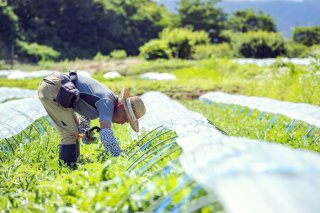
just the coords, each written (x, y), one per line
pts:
(281, 81)
(187, 110)
(150, 177)
(32, 181)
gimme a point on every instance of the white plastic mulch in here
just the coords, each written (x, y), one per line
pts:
(246, 175)
(18, 74)
(17, 115)
(112, 75)
(298, 111)
(158, 76)
(269, 61)
(85, 73)
(7, 93)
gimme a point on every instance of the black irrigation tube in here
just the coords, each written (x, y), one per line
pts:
(155, 137)
(143, 138)
(145, 155)
(217, 128)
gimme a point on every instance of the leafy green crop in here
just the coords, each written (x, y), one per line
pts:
(32, 181)
(244, 122)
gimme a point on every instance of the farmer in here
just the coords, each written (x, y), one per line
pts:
(94, 100)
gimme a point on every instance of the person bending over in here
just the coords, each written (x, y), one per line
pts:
(94, 100)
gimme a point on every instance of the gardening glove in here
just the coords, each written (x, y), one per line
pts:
(84, 126)
(110, 142)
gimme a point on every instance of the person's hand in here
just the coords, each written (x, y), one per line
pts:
(109, 142)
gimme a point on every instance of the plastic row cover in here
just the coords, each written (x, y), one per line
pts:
(17, 93)
(19, 74)
(158, 76)
(246, 175)
(17, 115)
(299, 111)
(269, 61)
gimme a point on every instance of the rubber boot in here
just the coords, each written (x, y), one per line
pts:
(78, 150)
(68, 154)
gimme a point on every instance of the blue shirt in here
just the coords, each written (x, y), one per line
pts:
(104, 97)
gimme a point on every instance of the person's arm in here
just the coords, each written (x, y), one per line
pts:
(108, 140)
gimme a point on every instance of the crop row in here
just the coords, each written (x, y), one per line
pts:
(241, 121)
(148, 178)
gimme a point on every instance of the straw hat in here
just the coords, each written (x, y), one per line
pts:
(134, 108)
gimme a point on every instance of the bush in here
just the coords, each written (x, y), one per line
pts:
(118, 54)
(259, 44)
(216, 50)
(155, 49)
(296, 50)
(314, 51)
(307, 35)
(35, 52)
(181, 41)
(100, 57)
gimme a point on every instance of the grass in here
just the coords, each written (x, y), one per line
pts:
(282, 81)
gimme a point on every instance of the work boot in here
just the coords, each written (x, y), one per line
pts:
(68, 154)
(78, 150)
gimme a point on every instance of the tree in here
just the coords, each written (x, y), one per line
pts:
(80, 29)
(307, 35)
(139, 21)
(8, 30)
(248, 20)
(202, 15)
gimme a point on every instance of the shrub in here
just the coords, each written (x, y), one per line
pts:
(100, 57)
(155, 49)
(118, 54)
(2, 64)
(259, 44)
(314, 51)
(296, 50)
(35, 52)
(181, 41)
(216, 50)
(307, 35)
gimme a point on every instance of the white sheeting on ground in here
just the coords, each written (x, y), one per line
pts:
(18, 74)
(18, 93)
(17, 115)
(299, 111)
(269, 61)
(246, 175)
(111, 75)
(85, 73)
(5, 73)
(158, 76)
